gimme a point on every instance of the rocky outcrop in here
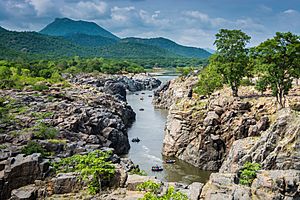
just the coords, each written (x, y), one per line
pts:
(201, 130)
(83, 117)
(20, 171)
(273, 184)
(172, 91)
(278, 148)
(117, 85)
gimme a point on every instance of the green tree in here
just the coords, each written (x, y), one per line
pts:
(278, 61)
(231, 58)
(209, 80)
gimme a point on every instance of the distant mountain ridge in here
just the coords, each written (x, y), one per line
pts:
(65, 37)
(171, 46)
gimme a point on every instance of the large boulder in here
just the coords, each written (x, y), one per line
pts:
(20, 171)
(66, 183)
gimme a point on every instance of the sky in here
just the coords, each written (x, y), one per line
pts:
(187, 22)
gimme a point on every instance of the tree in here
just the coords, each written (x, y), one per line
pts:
(231, 57)
(278, 60)
(209, 80)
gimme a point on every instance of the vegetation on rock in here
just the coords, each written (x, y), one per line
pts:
(93, 168)
(248, 173)
(152, 192)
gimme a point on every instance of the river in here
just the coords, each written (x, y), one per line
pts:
(149, 128)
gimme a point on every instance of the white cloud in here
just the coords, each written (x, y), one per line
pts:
(42, 7)
(86, 10)
(289, 11)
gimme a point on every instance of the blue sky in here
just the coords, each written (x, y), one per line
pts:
(188, 22)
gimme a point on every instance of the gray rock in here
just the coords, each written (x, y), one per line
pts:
(28, 192)
(66, 183)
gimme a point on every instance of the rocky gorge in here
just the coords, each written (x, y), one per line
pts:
(88, 113)
(222, 133)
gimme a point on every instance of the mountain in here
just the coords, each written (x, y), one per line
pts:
(66, 26)
(135, 50)
(90, 40)
(65, 37)
(171, 46)
(36, 45)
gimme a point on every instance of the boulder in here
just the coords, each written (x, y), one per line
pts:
(20, 171)
(29, 192)
(66, 183)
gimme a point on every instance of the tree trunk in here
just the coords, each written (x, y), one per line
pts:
(234, 91)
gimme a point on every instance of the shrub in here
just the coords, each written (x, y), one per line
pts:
(40, 87)
(138, 171)
(149, 186)
(33, 147)
(93, 168)
(153, 189)
(43, 131)
(248, 173)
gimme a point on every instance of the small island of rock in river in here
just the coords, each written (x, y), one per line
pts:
(99, 105)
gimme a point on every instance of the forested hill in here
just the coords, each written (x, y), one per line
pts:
(65, 27)
(62, 38)
(171, 46)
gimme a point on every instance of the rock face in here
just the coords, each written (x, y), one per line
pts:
(20, 171)
(201, 131)
(277, 148)
(273, 184)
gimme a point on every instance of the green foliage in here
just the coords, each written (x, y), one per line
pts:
(277, 59)
(248, 173)
(154, 188)
(43, 131)
(231, 58)
(261, 85)
(138, 171)
(93, 168)
(57, 141)
(33, 147)
(184, 71)
(149, 186)
(40, 87)
(209, 81)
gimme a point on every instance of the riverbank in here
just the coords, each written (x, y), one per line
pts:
(224, 133)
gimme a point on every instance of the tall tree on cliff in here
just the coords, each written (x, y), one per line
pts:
(278, 61)
(231, 57)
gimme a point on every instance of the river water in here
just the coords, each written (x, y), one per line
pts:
(149, 128)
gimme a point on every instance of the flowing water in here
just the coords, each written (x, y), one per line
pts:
(149, 128)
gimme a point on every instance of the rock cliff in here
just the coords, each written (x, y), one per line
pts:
(201, 130)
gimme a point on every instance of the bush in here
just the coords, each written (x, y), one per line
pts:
(33, 147)
(248, 173)
(43, 131)
(153, 189)
(40, 87)
(209, 81)
(93, 168)
(138, 171)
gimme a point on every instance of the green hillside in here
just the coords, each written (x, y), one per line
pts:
(65, 27)
(90, 40)
(172, 47)
(135, 50)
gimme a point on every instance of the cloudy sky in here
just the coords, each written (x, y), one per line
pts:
(188, 22)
